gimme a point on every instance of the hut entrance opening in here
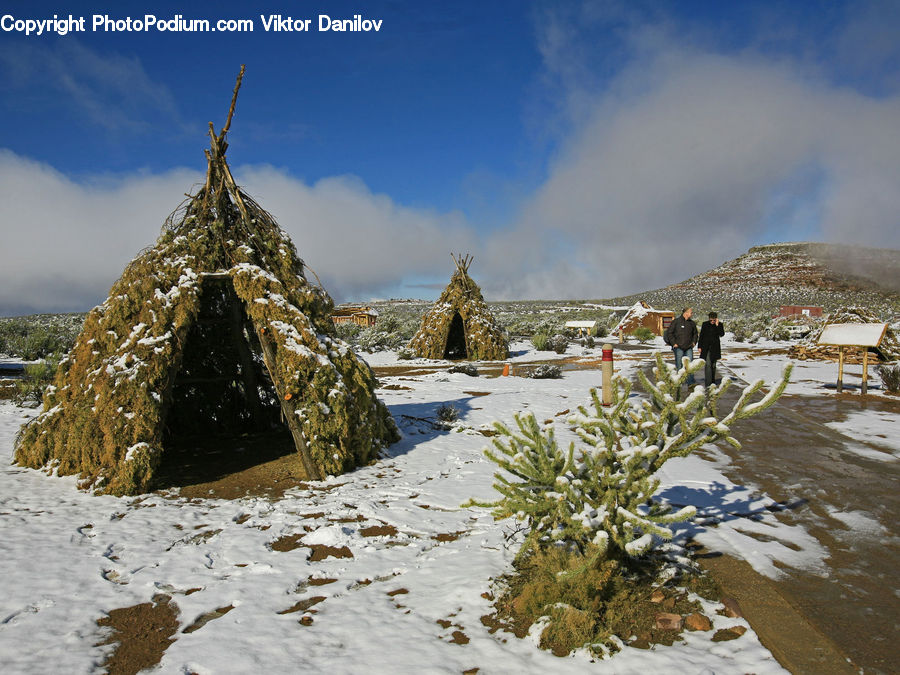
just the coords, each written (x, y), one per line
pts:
(225, 415)
(456, 339)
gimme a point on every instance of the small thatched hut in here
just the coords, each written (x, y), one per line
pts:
(214, 332)
(642, 314)
(460, 325)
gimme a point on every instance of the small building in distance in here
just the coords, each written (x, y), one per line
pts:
(642, 314)
(584, 328)
(801, 310)
(358, 314)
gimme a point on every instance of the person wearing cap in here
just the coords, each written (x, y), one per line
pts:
(710, 346)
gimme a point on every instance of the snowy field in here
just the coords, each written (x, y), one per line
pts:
(407, 600)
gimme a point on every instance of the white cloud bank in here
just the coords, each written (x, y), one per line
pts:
(67, 242)
(690, 157)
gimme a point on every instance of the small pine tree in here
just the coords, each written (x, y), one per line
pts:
(599, 497)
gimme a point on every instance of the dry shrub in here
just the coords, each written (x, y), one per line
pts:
(584, 605)
(890, 377)
(569, 628)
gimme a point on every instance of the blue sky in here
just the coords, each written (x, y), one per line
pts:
(578, 149)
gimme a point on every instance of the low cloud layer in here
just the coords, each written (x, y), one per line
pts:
(67, 242)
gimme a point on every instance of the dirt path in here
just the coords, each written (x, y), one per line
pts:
(819, 472)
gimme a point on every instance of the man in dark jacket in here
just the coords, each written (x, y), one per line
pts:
(681, 336)
(710, 346)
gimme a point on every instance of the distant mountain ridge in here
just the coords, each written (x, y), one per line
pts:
(800, 273)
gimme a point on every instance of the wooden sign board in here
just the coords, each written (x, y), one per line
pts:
(580, 324)
(853, 334)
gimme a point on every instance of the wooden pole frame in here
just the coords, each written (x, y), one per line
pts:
(865, 372)
(288, 409)
(840, 380)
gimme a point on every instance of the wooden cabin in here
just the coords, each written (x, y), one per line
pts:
(358, 314)
(642, 314)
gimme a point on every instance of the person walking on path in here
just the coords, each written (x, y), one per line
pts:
(681, 336)
(710, 346)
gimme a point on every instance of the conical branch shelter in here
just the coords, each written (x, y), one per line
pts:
(460, 325)
(215, 330)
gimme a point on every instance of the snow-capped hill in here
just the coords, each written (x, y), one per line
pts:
(800, 273)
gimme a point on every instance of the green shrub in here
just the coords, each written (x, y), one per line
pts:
(347, 331)
(447, 413)
(558, 343)
(38, 376)
(541, 342)
(37, 337)
(643, 334)
(373, 340)
(545, 371)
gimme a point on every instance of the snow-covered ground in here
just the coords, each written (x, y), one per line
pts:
(70, 557)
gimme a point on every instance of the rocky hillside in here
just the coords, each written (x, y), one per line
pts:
(767, 277)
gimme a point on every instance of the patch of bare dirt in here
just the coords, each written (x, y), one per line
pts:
(288, 542)
(303, 605)
(379, 531)
(206, 617)
(444, 537)
(477, 393)
(270, 479)
(141, 633)
(320, 581)
(459, 638)
(320, 552)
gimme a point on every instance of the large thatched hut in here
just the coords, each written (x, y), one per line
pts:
(460, 325)
(214, 332)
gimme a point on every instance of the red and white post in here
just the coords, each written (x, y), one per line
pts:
(606, 366)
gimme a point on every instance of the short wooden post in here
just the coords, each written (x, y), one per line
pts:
(840, 382)
(865, 373)
(606, 365)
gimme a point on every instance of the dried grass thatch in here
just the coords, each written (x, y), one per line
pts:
(216, 326)
(460, 325)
